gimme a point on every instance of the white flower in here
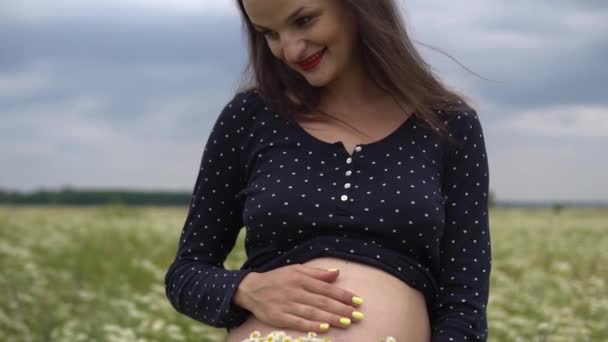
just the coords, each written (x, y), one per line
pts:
(255, 334)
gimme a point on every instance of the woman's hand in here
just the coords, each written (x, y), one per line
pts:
(296, 297)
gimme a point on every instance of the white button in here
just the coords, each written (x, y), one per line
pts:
(349, 160)
(358, 148)
(347, 185)
(349, 172)
(344, 197)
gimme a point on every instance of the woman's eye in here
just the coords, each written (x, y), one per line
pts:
(303, 21)
(268, 34)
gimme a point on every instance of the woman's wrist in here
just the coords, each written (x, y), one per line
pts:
(241, 294)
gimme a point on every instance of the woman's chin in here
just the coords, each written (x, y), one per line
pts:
(316, 84)
(316, 79)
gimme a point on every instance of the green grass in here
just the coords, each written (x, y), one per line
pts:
(96, 274)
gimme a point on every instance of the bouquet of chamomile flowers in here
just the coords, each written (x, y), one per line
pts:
(281, 336)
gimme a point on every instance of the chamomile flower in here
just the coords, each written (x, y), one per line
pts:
(255, 334)
(280, 335)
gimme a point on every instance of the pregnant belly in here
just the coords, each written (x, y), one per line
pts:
(390, 307)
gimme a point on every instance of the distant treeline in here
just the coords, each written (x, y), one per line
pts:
(73, 196)
(95, 197)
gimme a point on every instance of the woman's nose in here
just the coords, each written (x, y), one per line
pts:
(293, 50)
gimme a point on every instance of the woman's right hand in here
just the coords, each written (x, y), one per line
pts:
(296, 297)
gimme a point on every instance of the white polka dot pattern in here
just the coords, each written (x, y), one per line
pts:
(409, 204)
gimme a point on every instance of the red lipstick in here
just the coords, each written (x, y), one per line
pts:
(312, 61)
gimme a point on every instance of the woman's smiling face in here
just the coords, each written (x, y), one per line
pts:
(314, 37)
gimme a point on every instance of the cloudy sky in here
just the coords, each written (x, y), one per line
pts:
(122, 94)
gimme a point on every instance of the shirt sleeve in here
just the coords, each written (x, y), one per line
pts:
(459, 311)
(196, 283)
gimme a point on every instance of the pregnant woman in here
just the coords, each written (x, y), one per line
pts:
(361, 181)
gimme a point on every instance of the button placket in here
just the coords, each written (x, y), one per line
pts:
(348, 178)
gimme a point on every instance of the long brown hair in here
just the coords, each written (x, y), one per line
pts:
(387, 54)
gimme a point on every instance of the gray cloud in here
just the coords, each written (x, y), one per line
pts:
(170, 40)
(535, 59)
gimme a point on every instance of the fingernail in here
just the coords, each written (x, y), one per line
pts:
(357, 300)
(324, 326)
(345, 321)
(358, 315)
(332, 270)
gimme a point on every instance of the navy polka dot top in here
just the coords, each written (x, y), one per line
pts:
(410, 204)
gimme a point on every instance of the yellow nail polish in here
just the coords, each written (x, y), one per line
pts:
(357, 300)
(345, 321)
(324, 326)
(332, 269)
(357, 315)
